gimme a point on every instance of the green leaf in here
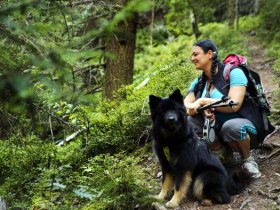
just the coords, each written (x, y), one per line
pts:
(82, 193)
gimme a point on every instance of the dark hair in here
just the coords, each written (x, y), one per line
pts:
(207, 45)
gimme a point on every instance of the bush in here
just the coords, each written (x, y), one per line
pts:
(269, 16)
(104, 182)
(249, 24)
(227, 39)
(154, 57)
(22, 163)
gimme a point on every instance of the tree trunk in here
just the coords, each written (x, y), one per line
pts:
(194, 24)
(120, 62)
(231, 13)
(256, 7)
(237, 13)
(3, 204)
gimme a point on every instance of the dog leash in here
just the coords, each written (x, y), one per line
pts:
(208, 132)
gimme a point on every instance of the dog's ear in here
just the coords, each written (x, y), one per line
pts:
(176, 95)
(154, 101)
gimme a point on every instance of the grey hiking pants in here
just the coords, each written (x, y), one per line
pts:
(232, 130)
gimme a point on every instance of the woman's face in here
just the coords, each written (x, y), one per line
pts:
(200, 59)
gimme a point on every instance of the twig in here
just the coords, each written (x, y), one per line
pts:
(273, 153)
(277, 128)
(72, 4)
(90, 66)
(245, 203)
(50, 121)
(17, 134)
(276, 190)
(56, 117)
(271, 145)
(144, 83)
(20, 38)
(267, 195)
(70, 138)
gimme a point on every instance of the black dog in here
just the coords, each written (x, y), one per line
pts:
(189, 166)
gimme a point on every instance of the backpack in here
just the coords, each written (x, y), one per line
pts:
(255, 90)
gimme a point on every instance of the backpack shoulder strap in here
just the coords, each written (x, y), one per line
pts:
(226, 71)
(229, 67)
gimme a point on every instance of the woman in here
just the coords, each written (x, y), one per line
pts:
(235, 132)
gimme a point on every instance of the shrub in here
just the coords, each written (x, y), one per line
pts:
(104, 182)
(249, 24)
(227, 40)
(22, 163)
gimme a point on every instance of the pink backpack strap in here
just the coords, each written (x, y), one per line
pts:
(226, 72)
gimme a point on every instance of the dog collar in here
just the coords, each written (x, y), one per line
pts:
(166, 153)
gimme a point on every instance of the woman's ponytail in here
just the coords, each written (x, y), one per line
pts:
(214, 65)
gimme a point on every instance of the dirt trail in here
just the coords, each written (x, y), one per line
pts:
(264, 193)
(262, 66)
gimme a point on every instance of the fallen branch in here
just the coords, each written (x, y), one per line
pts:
(273, 153)
(271, 145)
(275, 131)
(70, 138)
(276, 190)
(77, 3)
(244, 203)
(275, 198)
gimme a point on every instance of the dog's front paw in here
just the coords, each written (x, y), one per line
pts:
(159, 197)
(172, 204)
(206, 202)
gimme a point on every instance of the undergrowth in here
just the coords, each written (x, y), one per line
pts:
(105, 167)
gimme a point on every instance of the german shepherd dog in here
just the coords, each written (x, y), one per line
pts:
(190, 166)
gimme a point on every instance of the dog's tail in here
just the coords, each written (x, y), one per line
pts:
(238, 181)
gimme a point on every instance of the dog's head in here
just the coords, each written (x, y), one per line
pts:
(168, 113)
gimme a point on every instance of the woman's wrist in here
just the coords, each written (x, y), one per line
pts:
(201, 101)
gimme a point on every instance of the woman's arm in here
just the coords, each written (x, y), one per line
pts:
(190, 98)
(236, 94)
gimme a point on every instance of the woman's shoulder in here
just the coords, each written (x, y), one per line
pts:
(237, 70)
(238, 77)
(193, 84)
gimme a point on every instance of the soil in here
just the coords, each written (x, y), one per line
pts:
(264, 193)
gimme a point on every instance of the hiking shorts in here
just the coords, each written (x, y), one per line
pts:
(232, 130)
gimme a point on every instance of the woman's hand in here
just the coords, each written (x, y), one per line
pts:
(208, 113)
(192, 108)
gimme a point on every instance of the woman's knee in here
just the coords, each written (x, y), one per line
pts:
(237, 129)
(230, 131)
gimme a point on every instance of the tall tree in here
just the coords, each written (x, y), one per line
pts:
(237, 13)
(256, 6)
(194, 23)
(231, 13)
(120, 45)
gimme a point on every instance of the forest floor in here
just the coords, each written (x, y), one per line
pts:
(264, 193)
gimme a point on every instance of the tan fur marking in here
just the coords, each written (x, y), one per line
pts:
(167, 184)
(181, 193)
(198, 189)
